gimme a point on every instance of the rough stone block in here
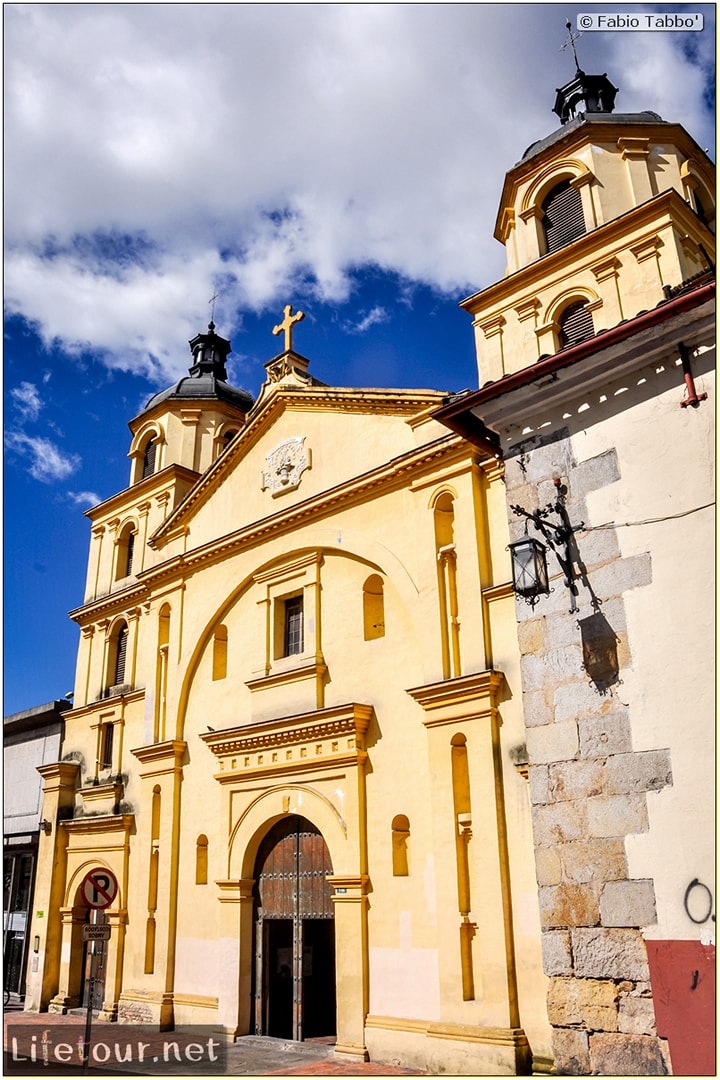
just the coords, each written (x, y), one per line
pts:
(609, 954)
(560, 631)
(539, 789)
(531, 636)
(576, 780)
(594, 860)
(556, 665)
(557, 958)
(648, 770)
(560, 822)
(568, 905)
(603, 735)
(622, 574)
(597, 548)
(596, 472)
(626, 1055)
(575, 699)
(636, 1015)
(590, 1004)
(617, 815)
(628, 903)
(571, 1052)
(548, 869)
(553, 742)
(536, 709)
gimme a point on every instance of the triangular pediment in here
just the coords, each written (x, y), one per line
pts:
(300, 440)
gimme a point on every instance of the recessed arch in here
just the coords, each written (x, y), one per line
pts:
(146, 451)
(267, 809)
(363, 550)
(573, 170)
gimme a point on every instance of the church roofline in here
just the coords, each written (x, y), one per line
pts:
(463, 413)
(601, 235)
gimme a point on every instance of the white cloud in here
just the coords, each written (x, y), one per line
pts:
(46, 461)
(84, 498)
(271, 150)
(375, 316)
(27, 401)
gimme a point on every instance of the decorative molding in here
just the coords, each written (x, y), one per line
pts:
(314, 670)
(286, 465)
(468, 697)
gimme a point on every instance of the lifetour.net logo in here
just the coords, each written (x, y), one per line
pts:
(114, 1048)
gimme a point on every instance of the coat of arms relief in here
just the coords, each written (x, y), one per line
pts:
(285, 466)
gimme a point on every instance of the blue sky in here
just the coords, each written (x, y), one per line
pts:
(345, 158)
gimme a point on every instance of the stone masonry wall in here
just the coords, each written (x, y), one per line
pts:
(588, 788)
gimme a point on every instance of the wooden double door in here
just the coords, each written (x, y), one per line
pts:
(294, 934)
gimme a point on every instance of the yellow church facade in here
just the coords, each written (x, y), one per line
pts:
(297, 738)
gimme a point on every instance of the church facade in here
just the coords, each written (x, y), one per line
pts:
(297, 739)
(348, 783)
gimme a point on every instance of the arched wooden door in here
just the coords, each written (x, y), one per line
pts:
(294, 934)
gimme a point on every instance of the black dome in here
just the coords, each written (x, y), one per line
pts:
(207, 380)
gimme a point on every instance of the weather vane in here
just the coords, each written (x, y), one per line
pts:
(573, 35)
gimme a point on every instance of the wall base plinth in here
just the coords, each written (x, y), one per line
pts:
(461, 1049)
(350, 1052)
(152, 1008)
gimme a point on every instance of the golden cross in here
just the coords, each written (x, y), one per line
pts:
(287, 325)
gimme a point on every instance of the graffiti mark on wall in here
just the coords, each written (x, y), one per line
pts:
(698, 902)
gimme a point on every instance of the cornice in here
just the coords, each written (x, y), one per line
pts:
(327, 739)
(142, 490)
(110, 605)
(170, 750)
(310, 399)
(466, 698)
(660, 212)
(105, 704)
(99, 823)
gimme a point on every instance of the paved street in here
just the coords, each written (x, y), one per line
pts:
(46, 1044)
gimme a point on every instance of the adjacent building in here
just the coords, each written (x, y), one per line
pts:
(31, 738)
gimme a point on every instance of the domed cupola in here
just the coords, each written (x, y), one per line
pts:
(207, 379)
(190, 423)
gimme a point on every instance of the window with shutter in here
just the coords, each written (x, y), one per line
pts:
(293, 637)
(575, 324)
(130, 553)
(149, 459)
(563, 217)
(121, 656)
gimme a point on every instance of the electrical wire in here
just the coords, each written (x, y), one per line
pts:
(645, 521)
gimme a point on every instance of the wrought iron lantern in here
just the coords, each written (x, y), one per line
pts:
(529, 568)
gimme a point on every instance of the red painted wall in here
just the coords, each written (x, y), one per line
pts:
(682, 976)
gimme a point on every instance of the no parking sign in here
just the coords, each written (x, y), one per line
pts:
(99, 887)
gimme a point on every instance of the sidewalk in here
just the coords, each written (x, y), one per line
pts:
(45, 1044)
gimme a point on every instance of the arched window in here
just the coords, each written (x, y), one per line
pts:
(373, 608)
(575, 324)
(125, 552)
(117, 656)
(201, 860)
(400, 841)
(563, 217)
(220, 652)
(148, 465)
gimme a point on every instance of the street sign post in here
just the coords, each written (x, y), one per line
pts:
(98, 890)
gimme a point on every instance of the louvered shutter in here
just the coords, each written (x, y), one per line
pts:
(575, 324)
(121, 654)
(149, 459)
(130, 554)
(563, 217)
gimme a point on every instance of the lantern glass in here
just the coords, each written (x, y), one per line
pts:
(529, 567)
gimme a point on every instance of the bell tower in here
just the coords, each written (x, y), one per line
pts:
(600, 220)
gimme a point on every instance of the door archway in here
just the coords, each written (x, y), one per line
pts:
(294, 933)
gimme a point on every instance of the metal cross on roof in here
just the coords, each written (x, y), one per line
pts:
(573, 35)
(287, 324)
(212, 300)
